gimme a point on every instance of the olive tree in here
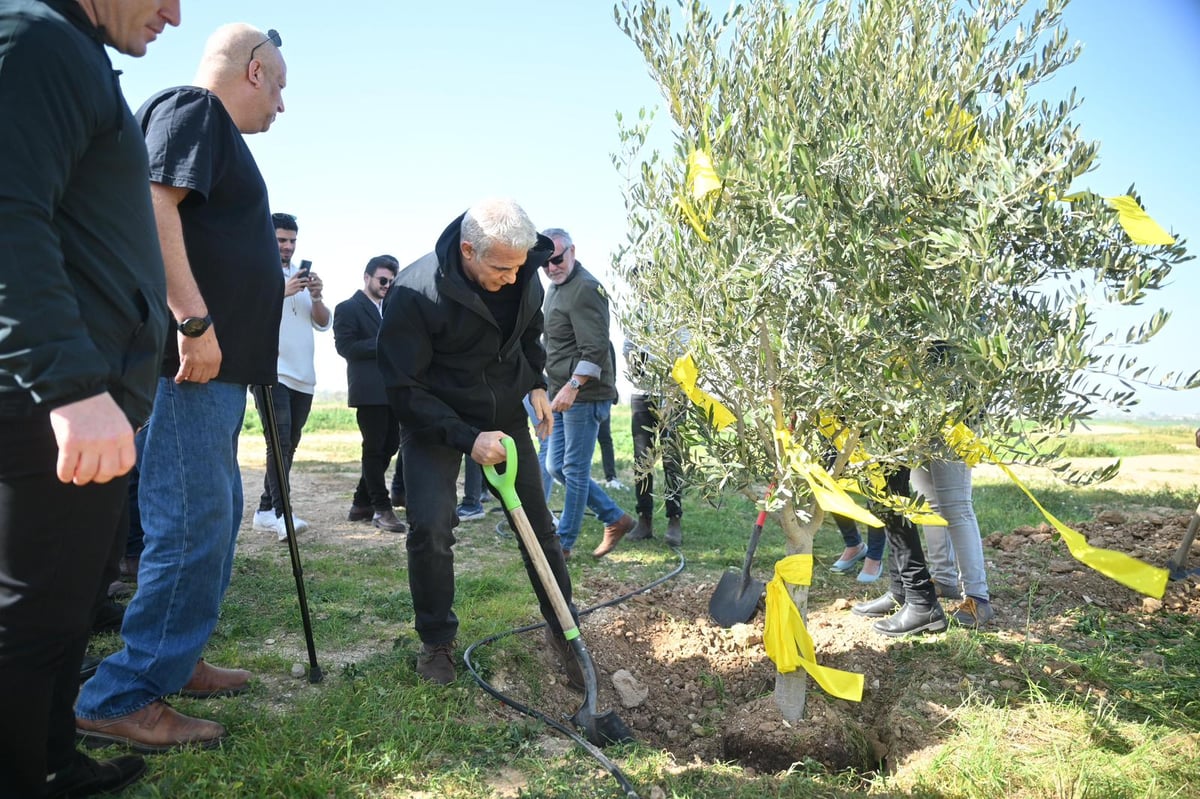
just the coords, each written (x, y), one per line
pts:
(861, 213)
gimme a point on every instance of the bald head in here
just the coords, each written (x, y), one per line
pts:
(244, 68)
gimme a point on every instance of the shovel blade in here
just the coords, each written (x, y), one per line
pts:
(730, 604)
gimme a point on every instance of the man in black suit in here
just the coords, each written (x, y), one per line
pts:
(355, 328)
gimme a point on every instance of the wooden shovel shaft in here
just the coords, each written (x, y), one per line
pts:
(542, 566)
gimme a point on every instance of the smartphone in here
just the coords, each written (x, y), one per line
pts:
(303, 271)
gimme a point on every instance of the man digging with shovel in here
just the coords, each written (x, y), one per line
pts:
(459, 348)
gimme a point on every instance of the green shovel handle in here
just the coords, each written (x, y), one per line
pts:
(506, 483)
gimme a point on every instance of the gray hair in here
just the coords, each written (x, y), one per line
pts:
(560, 234)
(498, 220)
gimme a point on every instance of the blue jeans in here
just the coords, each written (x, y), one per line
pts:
(191, 503)
(543, 451)
(570, 460)
(954, 552)
(876, 537)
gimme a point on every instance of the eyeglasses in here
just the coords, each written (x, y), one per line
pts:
(272, 37)
(558, 259)
(384, 281)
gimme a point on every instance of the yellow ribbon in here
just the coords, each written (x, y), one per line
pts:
(686, 373)
(786, 639)
(1126, 570)
(830, 496)
(919, 513)
(961, 129)
(701, 184)
(1138, 224)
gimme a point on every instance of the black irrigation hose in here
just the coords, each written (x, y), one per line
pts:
(587, 745)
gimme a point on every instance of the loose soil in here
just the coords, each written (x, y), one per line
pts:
(708, 690)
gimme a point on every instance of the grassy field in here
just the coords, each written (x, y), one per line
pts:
(373, 730)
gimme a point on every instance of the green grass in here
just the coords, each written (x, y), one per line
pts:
(1118, 716)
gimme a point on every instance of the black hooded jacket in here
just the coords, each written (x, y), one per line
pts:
(448, 372)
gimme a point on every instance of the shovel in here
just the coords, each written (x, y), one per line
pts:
(600, 729)
(1177, 563)
(736, 597)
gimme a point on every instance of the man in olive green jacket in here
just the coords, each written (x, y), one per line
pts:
(581, 376)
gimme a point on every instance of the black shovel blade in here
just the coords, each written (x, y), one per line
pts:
(731, 603)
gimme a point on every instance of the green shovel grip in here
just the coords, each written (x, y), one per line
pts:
(506, 483)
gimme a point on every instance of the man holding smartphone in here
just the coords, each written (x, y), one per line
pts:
(303, 312)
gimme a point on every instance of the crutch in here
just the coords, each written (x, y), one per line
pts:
(314, 670)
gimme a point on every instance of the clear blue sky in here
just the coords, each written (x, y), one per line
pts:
(400, 114)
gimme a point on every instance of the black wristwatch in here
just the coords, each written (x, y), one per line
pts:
(194, 326)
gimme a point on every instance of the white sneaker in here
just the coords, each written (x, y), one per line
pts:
(615, 484)
(265, 521)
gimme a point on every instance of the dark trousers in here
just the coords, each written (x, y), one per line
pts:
(54, 541)
(910, 578)
(653, 436)
(380, 440)
(608, 458)
(431, 472)
(291, 412)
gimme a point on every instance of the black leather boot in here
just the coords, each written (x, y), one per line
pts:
(912, 620)
(885, 605)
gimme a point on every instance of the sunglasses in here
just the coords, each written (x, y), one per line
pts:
(272, 37)
(558, 259)
(384, 281)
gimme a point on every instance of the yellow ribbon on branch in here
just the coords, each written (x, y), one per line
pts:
(1138, 225)
(919, 513)
(829, 494)
(786, 639)
(1126, 570)
(686, 374)
(700, 184)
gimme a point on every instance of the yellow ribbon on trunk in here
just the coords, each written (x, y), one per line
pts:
(786, 639)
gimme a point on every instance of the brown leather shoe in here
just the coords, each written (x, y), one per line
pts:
(360, 513)
(209, 681)
(566, 660)
(613, 533)
(435, 662)
(386, 520)
(155, 728)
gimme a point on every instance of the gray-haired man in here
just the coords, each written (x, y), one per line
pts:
(459, 348)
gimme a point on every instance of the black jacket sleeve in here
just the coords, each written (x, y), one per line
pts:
(53, 106)
(404, 357)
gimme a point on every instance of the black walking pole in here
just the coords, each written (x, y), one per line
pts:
(314, 671)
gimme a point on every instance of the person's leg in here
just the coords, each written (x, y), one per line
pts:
(672, 461)
(54, 538)
(431, 470)
(528, 491)
(910, 576)
(608, 458)
(282, 405)
(939, 551)
(472, 484)
(643, 426)
(952, 485)
(543, 455)
(301, 407)
(191, 509)
(598, 500)
(373, 424)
